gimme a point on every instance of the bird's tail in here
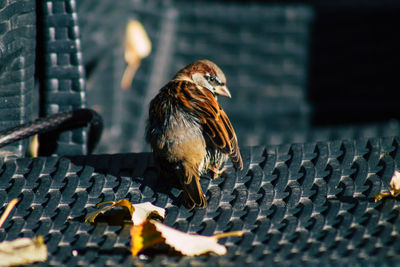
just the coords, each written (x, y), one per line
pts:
(191, 185)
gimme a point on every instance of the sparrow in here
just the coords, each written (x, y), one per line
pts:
(189, 132)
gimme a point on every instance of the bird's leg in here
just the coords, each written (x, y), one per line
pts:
(216, 170)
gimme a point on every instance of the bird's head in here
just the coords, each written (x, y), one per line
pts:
(206, 74)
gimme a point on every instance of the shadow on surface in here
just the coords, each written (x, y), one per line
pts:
(140, 167)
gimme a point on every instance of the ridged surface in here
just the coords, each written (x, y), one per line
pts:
(17, 66)
(62, 77)
(300, 203)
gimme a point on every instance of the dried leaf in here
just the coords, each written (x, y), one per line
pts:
(144, 236)
(9, 208)
(33, 147)
(139, 212)
(146, 210)
(152, 232)
(137, 41)
(394, 188)
(22, 251)
(137, 47)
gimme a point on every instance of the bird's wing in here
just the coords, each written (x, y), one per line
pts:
(216, 125)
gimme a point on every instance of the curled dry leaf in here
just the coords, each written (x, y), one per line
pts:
(152, 233)
(22, 251)
(139, 212)
(394, 188)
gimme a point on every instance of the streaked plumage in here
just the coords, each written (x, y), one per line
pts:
(188, 131)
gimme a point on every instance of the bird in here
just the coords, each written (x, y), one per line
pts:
(189, 132)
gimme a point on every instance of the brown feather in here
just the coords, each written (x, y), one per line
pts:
(216, 124)
(191, 185)
(188, 130)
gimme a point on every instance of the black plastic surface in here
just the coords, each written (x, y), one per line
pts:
(297, 204)
(17, 62)
(60, 70)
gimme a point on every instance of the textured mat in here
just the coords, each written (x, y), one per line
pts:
(301, 203)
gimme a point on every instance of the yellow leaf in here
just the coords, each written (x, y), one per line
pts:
(152, 232)
(137, 42)
(144, 236)
(137, 47)
(138, 212)
(394, 187)
(22, 251)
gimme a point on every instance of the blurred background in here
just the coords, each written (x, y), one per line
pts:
(298, 71)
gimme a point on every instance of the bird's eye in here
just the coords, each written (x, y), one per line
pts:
(212, 79)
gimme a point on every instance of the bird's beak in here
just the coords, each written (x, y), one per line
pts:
(222, 90)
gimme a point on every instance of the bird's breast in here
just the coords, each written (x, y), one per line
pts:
(182, 140)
